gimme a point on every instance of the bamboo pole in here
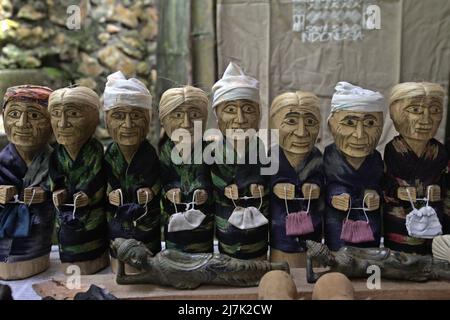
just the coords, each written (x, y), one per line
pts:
(174, 50)
(204, 47)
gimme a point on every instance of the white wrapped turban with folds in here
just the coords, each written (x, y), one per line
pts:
(235, 85)
(120, 91)
(353, 98)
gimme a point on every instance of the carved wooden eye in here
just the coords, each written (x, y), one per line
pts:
(194, 114)
(369, 122)
(291, 121)
(14, 114)
(310, 121)
(34, 115)
(118, 115)
(74, 113)
(248, 108)
(135, 115)
(435, 109)
(349, 122)
(415, 109)
(230, 109)
(56, 113)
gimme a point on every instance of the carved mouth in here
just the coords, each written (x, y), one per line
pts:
(65, 134)
(300, 144)
(357, 145)
(128, 134)
(424, 129)
(23, 134)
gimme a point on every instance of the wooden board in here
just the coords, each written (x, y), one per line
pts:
(390, 290)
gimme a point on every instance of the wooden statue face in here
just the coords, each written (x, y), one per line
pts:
(356, 134)
(73, 124)
(27, 124)
(238, 114)
(183, 117)
(417, 118)
(128, 125)
(298, 128)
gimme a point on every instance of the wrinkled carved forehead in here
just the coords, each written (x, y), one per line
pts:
(301, 100)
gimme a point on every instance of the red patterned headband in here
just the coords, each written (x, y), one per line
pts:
(38, 94)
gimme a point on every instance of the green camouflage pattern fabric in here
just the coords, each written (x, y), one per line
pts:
(82, 236)
(241, 244)
(142, 172)
(187, 177)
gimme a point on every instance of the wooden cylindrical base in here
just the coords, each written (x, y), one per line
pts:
(90, 266)
(295, 260)
(24, 269)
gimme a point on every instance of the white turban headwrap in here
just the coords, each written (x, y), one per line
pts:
(235, 85)
(122, 92)
(353, 98)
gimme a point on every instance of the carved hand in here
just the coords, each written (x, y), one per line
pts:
(7, 193)
(59, 197)
(80, 199)
(144, 195)
(114, 197)
(201, 196)
(284, 190)
(174, 195)
(341, 202)
(38, 197)
(435, 192)
(372, 201)
(257, 190)
(402, 194)
(231, 192)
(313, 188)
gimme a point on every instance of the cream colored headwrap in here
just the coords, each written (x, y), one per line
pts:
(122, 92)
(173, 98)
(297, 98)
(235, 85)
(77, 95)
(353, 98)
(408, 90)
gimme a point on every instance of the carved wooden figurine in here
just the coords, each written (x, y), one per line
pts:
(415, 162)
(186, 229)
(353, 168)
(295, 211)
(236, 104)
(131, 164)
(183, 270)
(77, 179)
(26, 211)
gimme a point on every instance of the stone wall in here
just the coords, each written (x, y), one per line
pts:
(113, 35)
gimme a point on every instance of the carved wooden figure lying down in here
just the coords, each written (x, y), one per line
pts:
(353, 262)
(187, 270)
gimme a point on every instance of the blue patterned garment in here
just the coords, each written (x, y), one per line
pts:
(341, 177)
(26, 231)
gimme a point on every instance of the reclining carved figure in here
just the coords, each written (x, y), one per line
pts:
(187, 270)
(394, 265)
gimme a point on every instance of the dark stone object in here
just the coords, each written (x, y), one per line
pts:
(187, 270)
(354, 263)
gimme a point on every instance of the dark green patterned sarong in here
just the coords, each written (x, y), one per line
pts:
(189, 178)
(142, 172)
(82, 235)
